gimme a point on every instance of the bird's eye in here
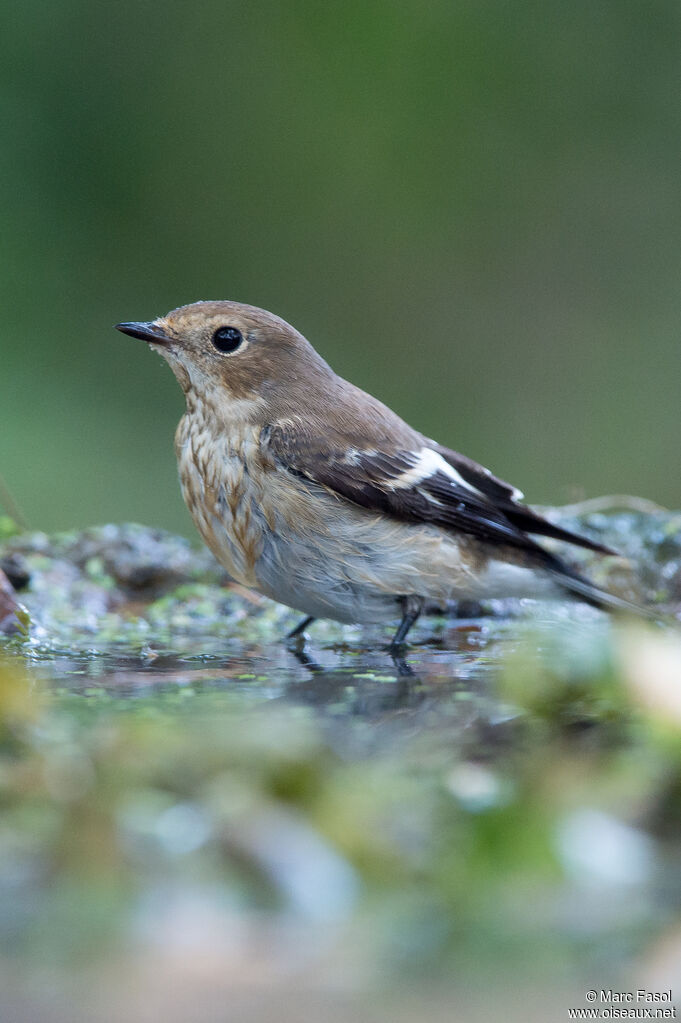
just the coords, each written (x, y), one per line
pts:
(227, 339)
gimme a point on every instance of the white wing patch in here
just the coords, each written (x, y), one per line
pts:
(426, 463)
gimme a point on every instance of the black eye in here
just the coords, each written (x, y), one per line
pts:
(227, 339)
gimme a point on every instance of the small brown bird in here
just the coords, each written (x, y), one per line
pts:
(316, 494)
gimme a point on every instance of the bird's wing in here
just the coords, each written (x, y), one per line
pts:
(420, 485)
(506, 498)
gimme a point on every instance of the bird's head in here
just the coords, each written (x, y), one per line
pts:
(223, 351)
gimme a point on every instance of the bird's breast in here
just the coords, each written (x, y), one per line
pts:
(221, 475)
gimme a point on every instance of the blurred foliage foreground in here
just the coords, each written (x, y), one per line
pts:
(182, 795)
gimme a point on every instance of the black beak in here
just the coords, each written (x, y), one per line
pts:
(145, 331)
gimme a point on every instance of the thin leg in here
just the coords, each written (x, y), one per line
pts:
(300, 627)
(411, 609)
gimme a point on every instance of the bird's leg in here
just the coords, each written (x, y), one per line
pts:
(300, 627)
(411, 609)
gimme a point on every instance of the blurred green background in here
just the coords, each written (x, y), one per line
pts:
(472, 209)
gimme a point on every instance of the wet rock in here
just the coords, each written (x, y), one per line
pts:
(143, 561)
(118, 584)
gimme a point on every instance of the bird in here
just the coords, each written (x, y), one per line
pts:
(316, 494)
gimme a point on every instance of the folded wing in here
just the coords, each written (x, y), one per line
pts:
(426, 484)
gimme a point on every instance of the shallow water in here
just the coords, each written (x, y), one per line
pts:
(180, 787)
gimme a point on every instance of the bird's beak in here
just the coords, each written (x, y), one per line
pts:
(145, 331)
